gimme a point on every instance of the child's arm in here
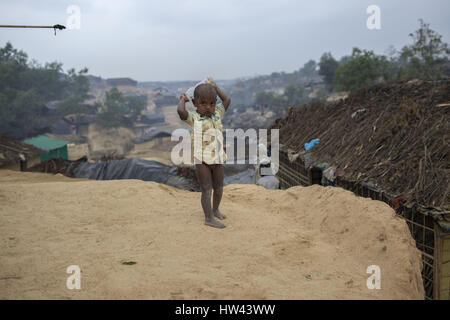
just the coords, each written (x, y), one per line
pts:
(182, 112)
(223, 96)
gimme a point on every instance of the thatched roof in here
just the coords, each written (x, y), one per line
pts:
(80, 118)
(12, 150)
(395, 135)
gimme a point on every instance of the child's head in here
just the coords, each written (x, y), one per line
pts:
(205, 96)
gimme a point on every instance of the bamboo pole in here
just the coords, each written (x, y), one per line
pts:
(54, 27)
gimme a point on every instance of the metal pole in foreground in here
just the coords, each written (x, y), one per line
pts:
(56, 26)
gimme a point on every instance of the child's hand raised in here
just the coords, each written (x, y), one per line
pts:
(212, 82)
(184, 97)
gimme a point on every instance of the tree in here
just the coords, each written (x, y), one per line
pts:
(77, 91)
(426, 56)
(295, 95)
(9, 54)
(363, 68)
(309, 69)
(135, 106)
(112, 109)
(25, 88)
(12, 63)
(118, 110)
(47, 80)
(264, 97)
(327, 68)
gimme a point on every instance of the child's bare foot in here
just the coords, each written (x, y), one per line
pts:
(219, 214)
(214, 223)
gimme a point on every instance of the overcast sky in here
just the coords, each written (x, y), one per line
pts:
(188, 40)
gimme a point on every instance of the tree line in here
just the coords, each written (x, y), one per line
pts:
(427, 57)
(26, 87)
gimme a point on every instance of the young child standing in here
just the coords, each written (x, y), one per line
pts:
(210, 168)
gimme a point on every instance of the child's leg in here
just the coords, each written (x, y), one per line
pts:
(217, 182)
(205, 181)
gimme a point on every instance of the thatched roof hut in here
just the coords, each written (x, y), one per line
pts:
(13, 152)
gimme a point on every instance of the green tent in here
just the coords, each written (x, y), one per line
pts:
(56, 148)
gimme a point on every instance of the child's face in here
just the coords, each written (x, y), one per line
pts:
(205, 106)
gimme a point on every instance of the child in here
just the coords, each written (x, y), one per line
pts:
(209, 169)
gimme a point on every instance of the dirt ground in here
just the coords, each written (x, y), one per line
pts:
(301, 243)
(104, 141)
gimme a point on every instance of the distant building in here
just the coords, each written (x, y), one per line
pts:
(152, 134)
(162, 100)
(80, 118)
(94, 79)
(114, 82)
(54, 148)
(78, 123)
(152, 119)
(161, 90)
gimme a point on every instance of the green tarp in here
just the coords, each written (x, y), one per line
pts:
(56, 148)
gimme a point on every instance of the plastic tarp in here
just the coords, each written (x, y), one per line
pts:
(150, 136)
(244, 177)
(133, 168)
(269, 182)
(152, 118)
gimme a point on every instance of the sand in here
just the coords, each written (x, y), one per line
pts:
(301, 243)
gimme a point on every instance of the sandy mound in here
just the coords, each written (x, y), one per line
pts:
(303, 243)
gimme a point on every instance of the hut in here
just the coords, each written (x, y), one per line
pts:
(55, 148)
(165, 99)
(15, 155)
(78, 124)
(153, 119)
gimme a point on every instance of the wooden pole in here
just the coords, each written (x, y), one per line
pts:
(56, 26)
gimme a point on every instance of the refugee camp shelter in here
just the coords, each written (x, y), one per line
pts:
(15, 155)
(165, 99)
(79, 123)
(55, 148)
(152, 119)
(151, 135)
